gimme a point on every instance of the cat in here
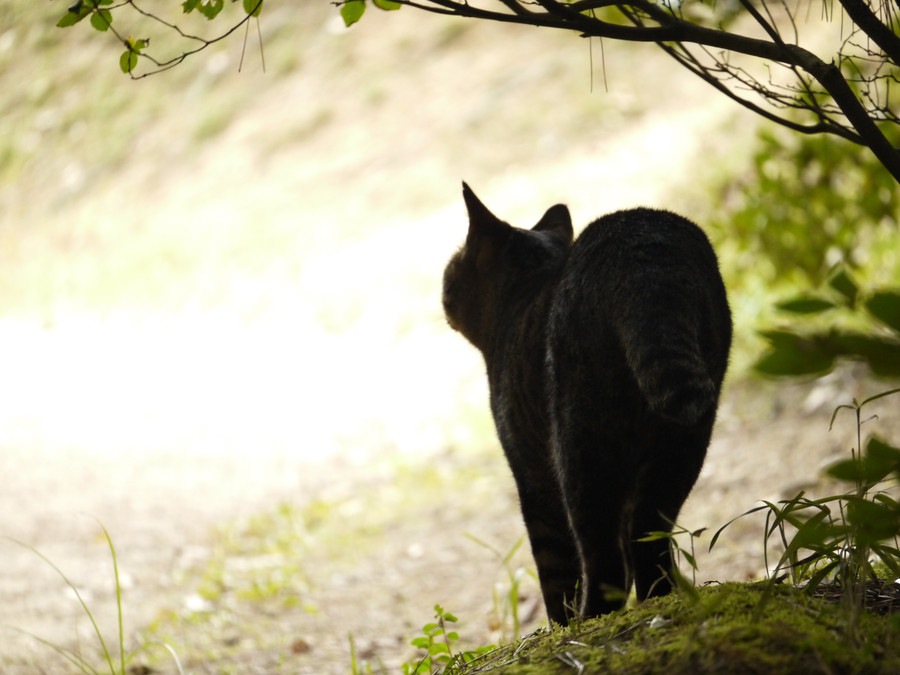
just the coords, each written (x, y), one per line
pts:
(605, 357)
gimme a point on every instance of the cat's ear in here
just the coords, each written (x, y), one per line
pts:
(557, 221)
(481, 221)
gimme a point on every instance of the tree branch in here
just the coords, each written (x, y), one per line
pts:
(829, 76)
(673, 29)
(691, 63)
(872, 26)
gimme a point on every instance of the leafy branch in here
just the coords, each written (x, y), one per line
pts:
(848, 95)
(795, 353)
(102, 12)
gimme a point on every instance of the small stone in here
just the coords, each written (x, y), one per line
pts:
(658, 622)
(300, 646)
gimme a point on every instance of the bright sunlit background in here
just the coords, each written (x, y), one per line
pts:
(219, 291)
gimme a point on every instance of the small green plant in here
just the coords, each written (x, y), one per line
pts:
(679, 553)
(358, 666)
(507, 596)
(113, 665)
(831, 540)
(437, 641)
(871, 514)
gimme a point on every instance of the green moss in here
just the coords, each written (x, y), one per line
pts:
(732, 628)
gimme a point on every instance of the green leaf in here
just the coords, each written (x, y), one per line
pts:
(883, 451)
(792, 355)
(190, 5)
(128, 61)
(885, 306)
(211, 8)
(133, 47)
(101, 20)
(806, 304)
(875, 521)
(253, 7)
(690, 559)
(815, 533)
(76, 13)
(888, 555)
(888, 501)
(849, 470)
(352, 11)
(655, 536)
(386, 5)
(882, 355)
(880, 459)
(843, 283)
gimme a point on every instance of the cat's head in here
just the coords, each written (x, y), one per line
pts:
(500, 264)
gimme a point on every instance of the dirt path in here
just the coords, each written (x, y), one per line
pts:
(160, 498)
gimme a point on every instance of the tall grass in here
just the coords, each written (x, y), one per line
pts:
(114, 664)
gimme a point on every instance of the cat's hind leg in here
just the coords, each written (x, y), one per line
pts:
(554, 551)
(663, 487)
(596, 501)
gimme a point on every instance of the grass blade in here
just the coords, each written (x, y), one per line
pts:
(67, 654)
(115, 563)
(106, 654)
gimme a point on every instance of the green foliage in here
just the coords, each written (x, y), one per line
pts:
(437, 642)
(831, 539)
(100, 18)
(680, 553)
(208, 8)
(838, 322)
(101, 13)
(212, 8)
(353, 10)
(810, 202)
(253, 7)
(815, 223)
(133, 48)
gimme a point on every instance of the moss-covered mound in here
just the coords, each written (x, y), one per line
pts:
(730, 628)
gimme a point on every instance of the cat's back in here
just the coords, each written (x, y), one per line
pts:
(644, 255)
(645, 236)
(641, 292)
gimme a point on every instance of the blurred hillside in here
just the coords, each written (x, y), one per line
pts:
(315, 201)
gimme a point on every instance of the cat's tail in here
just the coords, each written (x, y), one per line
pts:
(671, 371)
